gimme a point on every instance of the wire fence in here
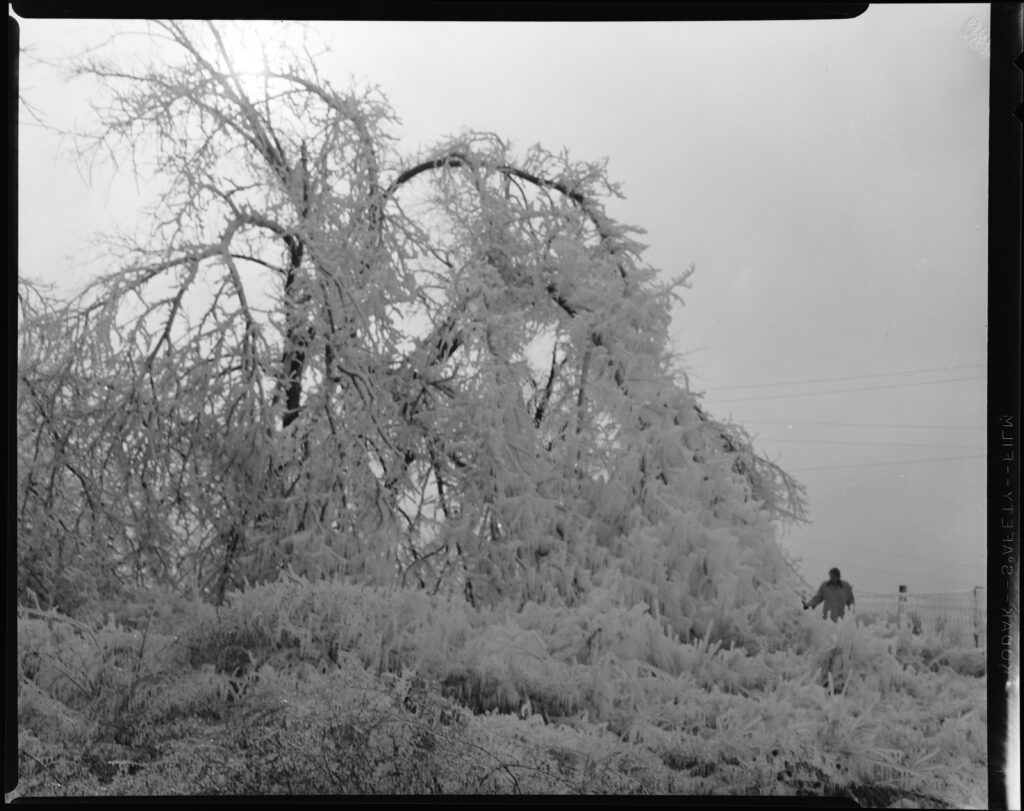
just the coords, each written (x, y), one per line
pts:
(958, 617)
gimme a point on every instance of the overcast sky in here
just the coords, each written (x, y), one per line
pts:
(827, 178)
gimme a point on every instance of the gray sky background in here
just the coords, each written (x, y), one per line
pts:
(828, 178)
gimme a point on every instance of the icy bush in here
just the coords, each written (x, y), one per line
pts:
(328, 687)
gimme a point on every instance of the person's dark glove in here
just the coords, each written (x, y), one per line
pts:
(806, 604)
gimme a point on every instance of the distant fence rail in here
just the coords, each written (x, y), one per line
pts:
(956, 615)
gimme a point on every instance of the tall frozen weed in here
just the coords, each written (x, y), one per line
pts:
(565, 694)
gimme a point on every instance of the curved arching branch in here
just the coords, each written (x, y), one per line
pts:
(458, 159)
(462, 159)
(443, 349)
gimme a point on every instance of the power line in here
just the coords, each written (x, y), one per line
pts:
(883, 464)
(852, 377)
(871, 425)
(901, 575)
(848, 391)
(896, 554)
(876, 444)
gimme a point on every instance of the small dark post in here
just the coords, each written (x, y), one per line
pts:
(976, 616)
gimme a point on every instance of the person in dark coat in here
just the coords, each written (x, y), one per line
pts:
(835, 593)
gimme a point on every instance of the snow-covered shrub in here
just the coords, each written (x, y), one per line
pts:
(593, 698)
(81, 691)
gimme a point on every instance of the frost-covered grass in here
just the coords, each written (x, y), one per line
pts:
(326, 687)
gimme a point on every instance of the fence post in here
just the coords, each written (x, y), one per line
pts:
(976, 616)
(901, 602)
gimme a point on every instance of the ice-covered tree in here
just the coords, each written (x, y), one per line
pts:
(450, 370)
